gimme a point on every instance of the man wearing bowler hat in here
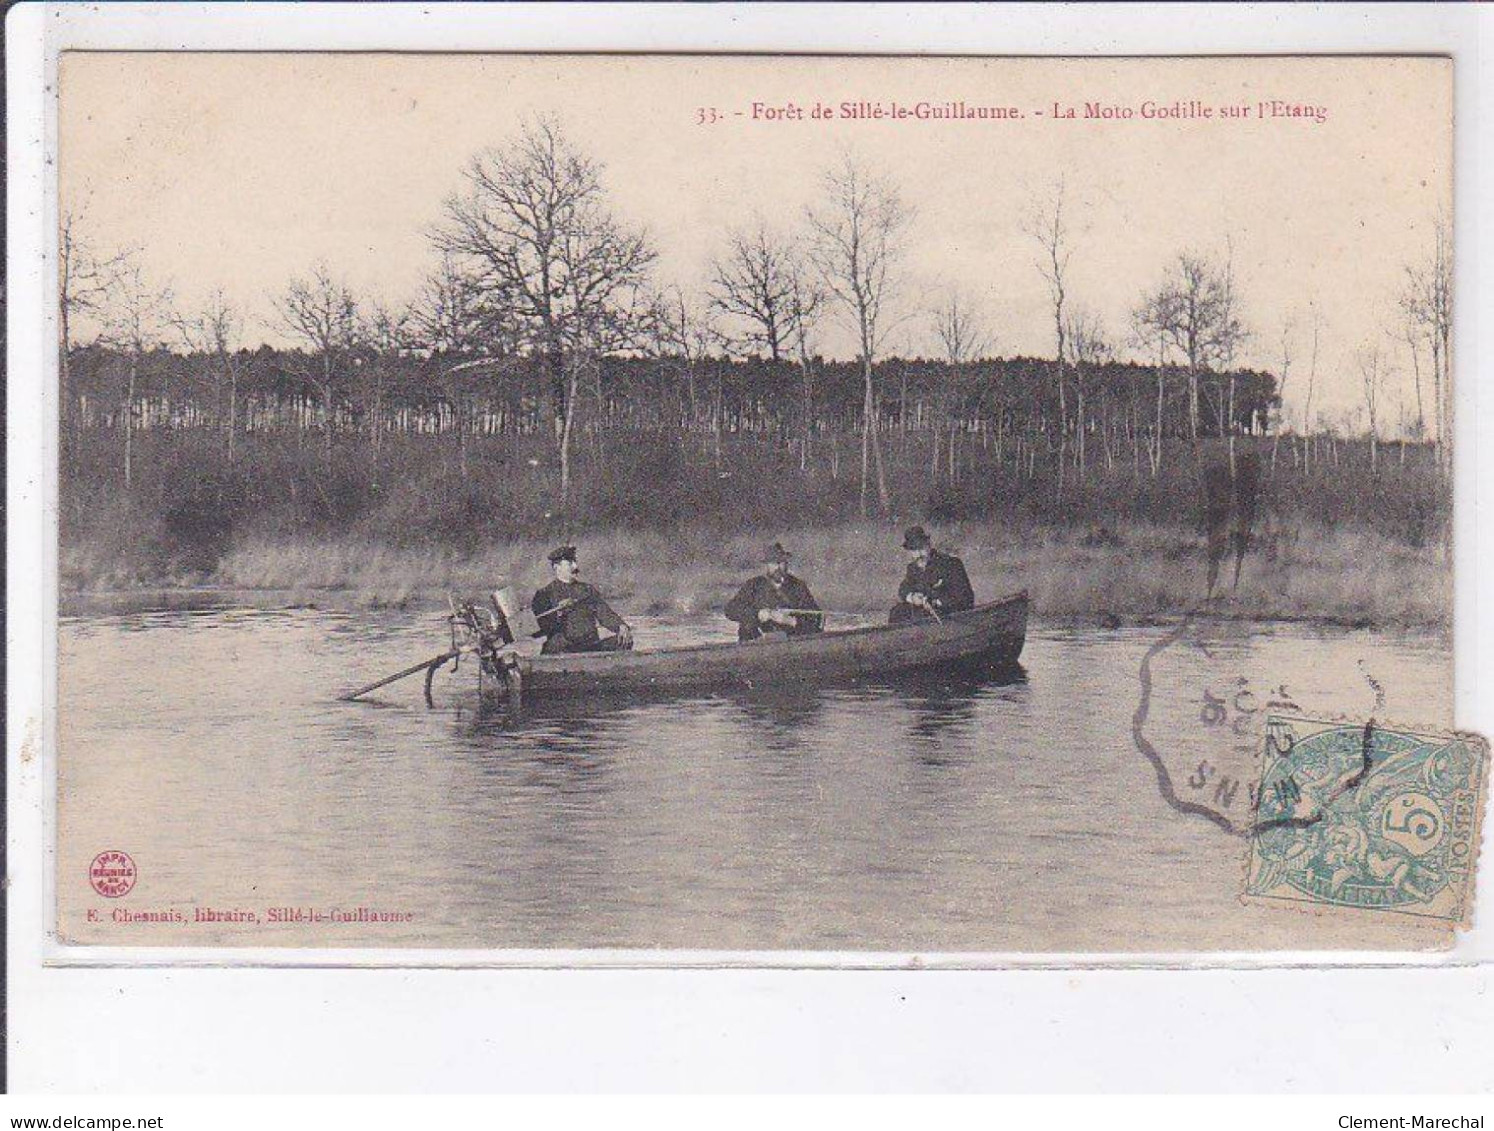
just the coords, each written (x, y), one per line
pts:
(935, 584)
(774, 601)
(569, 612)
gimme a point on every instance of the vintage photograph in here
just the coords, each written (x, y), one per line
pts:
(881, 506)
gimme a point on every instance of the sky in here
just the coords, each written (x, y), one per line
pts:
(242, 171)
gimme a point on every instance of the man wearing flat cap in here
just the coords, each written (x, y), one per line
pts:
(570, 611)
(935, 584)
(774, 601)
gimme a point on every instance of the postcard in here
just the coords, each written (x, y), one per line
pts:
(764, 505)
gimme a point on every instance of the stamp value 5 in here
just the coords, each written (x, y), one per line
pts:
(1368, 817)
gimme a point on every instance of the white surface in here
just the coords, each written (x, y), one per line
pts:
(161, 1030)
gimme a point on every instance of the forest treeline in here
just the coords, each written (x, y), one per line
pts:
(424, 452)
(1119, 406)
(544, 378)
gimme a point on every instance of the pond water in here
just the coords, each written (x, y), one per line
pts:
(1011, 815)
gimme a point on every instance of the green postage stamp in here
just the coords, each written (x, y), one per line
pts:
(1368, 817)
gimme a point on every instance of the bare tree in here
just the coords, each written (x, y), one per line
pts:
(84, 281)
(534, 233)
(1441, 309)
(471, 327)
(962, 338)
(686, 333)
(135, 316)
(625, 323)
(322, 313)
(1427, 302)
(1315, 323)
(1046, 224)
(214, 331)
(1090, 347)
(385, 333)
(1196, 311)
(1372, 382)
(806, 304)
(453, 313)
(1411, 334)
(1288, 330)
(1148, 329)
(959, 328)
(753, 284)
(858, 232)
(1231, 334)
(763, 286)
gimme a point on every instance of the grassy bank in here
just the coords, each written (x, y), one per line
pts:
(671, 521)
(1133, 571)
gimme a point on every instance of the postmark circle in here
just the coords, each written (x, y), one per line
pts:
(112, 873)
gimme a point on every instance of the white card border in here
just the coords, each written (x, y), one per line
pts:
(40, 1035)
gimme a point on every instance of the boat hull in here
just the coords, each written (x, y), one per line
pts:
(987, 639)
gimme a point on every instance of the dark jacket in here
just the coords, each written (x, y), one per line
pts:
(943, 581)
(761, 593)
(574, 629)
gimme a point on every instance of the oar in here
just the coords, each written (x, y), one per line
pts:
(568, 603)
(411, 670)
(564, 606)
(821, 613)
(933, 612)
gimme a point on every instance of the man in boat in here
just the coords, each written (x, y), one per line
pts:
(935, 584)
(774, 601)
(570, 611)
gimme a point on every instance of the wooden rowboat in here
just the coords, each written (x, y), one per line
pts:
(987, 639)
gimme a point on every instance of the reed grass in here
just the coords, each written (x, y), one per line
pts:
(1133, 572)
